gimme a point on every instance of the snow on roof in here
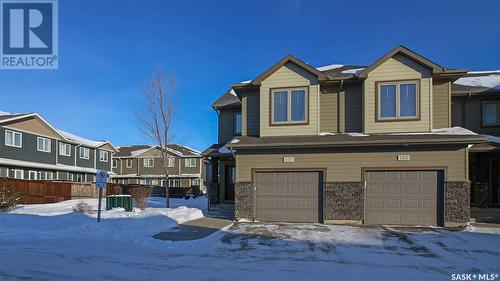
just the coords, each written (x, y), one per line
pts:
(224, 150)
(138, 152)
(443, 131)
(329, 67)
(326, 134)
(232, 92)
(492, 138)
(5, 113)
(483, 71)
(354, 134)
(488, 81)
(246, 82)
(353, 71)
(80, 140)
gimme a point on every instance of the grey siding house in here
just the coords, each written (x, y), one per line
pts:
(32, 149)
(143, 164)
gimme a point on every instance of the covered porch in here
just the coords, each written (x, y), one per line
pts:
(484, 174)
(220, 180)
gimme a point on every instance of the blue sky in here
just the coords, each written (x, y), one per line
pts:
(107, 49)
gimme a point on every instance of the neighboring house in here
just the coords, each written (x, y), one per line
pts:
(343, 144)
(143, 164)
(31, 148)
(476, 106)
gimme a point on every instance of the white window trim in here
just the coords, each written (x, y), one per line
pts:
(114, 163)
(38, 139)
(187, 162)
(62, 150)
(101, 153)
(34, 172)
(398, 98)
(146, 160)
(22, 174)
(131, 163)
(84, 149)
(289, 106)
(170, 165)
(14, 139)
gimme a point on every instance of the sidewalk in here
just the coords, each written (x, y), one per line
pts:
(193, 230)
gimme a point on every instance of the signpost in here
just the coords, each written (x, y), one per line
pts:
(101, 178)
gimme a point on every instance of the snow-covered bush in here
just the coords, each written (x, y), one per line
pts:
(8, 198)
(83, 207)
(141, 196)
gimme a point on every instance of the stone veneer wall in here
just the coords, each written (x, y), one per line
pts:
(343, 201)
(243, 200)
(457, 202)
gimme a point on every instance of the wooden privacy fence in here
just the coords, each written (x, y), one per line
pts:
(43, 191)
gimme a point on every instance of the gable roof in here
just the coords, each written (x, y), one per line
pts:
(282, 62)
(402, 50)
(65, 136)
(227, 100)
(133, 151)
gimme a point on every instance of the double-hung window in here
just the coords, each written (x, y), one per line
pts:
(13, 138)
(490, 113)
(190, 162)
(103, 156)
(397, 100)
(148, 162)
(289, 106)
(64, 149)
(43, 144)
(113, 163)
(84, 153)
(128, 163)
(170, 161)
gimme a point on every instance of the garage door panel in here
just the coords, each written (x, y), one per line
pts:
(289, 196)
(408, 197)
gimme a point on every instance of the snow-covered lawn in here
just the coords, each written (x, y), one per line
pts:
(50, 242)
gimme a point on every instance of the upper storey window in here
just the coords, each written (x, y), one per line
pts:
(491, 113)
(289, 106)
(237, 123)
(397, 100)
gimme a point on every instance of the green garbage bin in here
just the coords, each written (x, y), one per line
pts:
(119, 201)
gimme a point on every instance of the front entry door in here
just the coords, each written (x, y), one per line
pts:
(230, 179)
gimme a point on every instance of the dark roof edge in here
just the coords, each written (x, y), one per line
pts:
(466, 140)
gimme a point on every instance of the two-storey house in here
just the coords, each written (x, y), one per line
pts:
(476, 106)
(143, 164)
(343, 144)
(31, 148)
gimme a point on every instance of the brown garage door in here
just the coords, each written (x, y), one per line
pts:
(287, 196)
(403, 197)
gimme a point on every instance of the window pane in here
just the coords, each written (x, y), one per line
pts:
(237, 123)
(490, 113)
(280, 106)
(407, 100)
(10, 138)
(298, 105)
(388, 101)
(17, 139)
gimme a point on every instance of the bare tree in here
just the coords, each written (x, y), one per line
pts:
(155, 119)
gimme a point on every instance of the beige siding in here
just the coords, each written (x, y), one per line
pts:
(131, 170)
(344, 166)
(441, 104)
(226, 126)
(289, 75)
(33, 125)
(329, 112)
(250, 113)
(398, 68)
